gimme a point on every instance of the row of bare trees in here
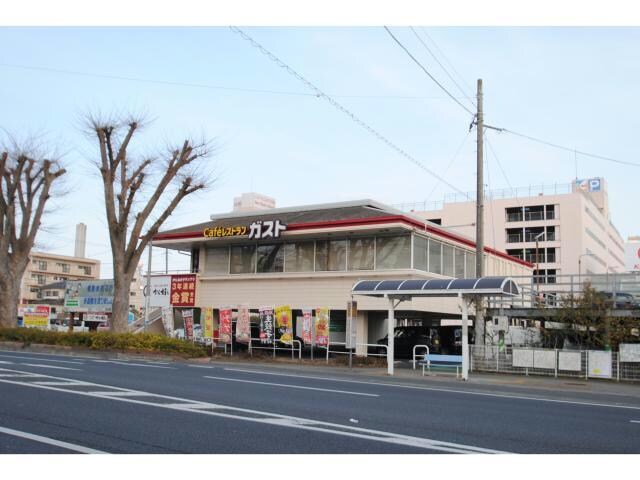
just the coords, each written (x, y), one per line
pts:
(140, 193)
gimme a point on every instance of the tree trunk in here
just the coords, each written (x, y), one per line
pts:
(10, 280)
(120, 307)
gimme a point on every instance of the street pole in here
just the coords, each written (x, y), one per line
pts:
(147, 299)
(166, 261)
(479, 322)
(465, 337)
(391, 321)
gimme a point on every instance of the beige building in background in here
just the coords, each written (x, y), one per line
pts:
(571, 222)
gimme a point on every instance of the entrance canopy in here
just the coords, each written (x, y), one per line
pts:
(436, 287)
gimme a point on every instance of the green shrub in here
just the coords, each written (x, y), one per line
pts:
(140, 342)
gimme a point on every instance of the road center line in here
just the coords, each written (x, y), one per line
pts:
(40, 365)
(49, 441)
(294, 386)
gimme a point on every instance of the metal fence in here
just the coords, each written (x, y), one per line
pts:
(585, 364)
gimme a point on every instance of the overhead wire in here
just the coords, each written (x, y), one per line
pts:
(334, 103)
(449, 165)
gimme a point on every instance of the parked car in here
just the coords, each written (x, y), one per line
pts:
(622, 300)
(405, 338)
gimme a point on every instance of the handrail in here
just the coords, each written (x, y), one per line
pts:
(414, 353)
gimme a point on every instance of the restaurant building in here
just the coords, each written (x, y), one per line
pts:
(311, 256)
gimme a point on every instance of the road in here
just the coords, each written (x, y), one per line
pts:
(68, 404)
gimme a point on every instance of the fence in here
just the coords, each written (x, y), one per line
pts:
(583, 364)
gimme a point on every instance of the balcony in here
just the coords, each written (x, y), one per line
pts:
(514, 217)
(514, 238)
(530, 216)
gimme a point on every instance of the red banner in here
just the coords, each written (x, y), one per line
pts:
(243, 325)
(183, 290)
(306, 326)
(226, 327)
(187, 317)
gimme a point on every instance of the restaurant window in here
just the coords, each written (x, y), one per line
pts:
(216, 261)
(420, 253)
(361, 253)
(447, 260)
(331, 255)
(459, 265)
(435, 257)
(393, 252)
(298, 257)
(243, 259)
(270, 258)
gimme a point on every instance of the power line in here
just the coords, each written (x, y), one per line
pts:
(427, 72)
(453, 159)
(441, 65)
(321, 94)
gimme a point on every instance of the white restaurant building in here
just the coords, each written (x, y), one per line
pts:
(323, 251)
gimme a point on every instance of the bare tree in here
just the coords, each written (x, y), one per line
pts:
(139, 197)
(26, 185)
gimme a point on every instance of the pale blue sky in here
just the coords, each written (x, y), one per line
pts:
(572, 86)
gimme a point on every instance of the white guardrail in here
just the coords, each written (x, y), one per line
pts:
(414, 353)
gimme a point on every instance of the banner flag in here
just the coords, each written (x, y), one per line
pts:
(226, 326)
(307, 321)
(284, 324)
(243, 325)
(207, 320)
(187, 317)
(266, 324)
(322, 326)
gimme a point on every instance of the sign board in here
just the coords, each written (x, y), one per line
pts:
(570, 361)
(36, 316)
(260, 229)
(630, 352)
(544, 359)
(599, 364)
(523, 357)
(266, 324)
(160, 288)
(88, 296)
(243, 325)
(96, 317)
(322, 326)
(226, 325)
(284, 324)
(183, 290)
(589, 184)
(632, 256)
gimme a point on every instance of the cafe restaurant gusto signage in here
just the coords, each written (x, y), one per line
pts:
(256, 230)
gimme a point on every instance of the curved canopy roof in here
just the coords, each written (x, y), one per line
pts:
(436, 287)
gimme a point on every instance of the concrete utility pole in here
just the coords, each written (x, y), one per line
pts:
(479, 323)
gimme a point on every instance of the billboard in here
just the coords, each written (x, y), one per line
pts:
(183, 290)
(589, 184)
(88, 296)
(36, 316)
(632, 256)
(160, 288)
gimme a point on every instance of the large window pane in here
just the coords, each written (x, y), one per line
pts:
(447, 260)
(270, 258)
(243, 259)
(459, 259)
(298, 257)
(217, 261)
(435, 257)
(331, 255)
(361, 253)
(471, 265)
(393, 252)
(420, 253)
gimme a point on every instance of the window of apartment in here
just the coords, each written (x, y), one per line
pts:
(533, 256)
(531, 233)
(298, 256)
(534, 212)
(516, 252)
(514, 235)
(216, 261)
(550, 212)
(513, 214)
(459, 263)
(331, 255)
(435, 256)
(393, 252)
(41, 279)
(552, 234)
(34, 289)
(51, 293)
(85, 268)
(132, 294)
(270, 258)
(361, 254)
(42, 265)
(243, 259)
(551, 255)
(420, 253)
(65, 267)
(447, 260)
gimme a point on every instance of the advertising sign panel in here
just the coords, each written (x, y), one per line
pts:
(307, 323)
(96, 317)
(183, 290)
(570, 361)
(243, 325)
(632, 256)
(599, 364)
(89, 296)
(36, 316)
(589, 184)
(322, 326)
(207, 320)
(266, 324)
(630, 352)
(187, 317)
(226, 325)
(284, 324)
(160, 288)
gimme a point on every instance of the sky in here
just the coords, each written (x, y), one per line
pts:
(573, 86)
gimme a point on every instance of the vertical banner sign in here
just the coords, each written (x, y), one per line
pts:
(183, 290)
(352, 314)
(207, 320)
(226, 326)
(306, 326)
(322, 326)
(266, 324)
(284, 324)
(243, 325)
(187, 317)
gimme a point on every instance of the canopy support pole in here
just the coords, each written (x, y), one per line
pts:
(465, 337)
(391, 323)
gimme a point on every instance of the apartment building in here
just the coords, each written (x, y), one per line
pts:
(561, 229)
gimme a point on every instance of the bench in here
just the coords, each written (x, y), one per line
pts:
(444, 361)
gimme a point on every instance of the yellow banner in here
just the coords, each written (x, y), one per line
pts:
(284, 324)
(207, 314)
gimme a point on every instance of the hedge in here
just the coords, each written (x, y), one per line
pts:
(144, 342)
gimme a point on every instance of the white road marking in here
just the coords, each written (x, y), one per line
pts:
(49, 441)
(4, 362)
(131, 393)
(128, 364)
(40, 365)
(188, 405)
(634, 421)
(200, 366)
(446, 390)
(41, 359)
(61, 383)
(51, 355)
(295, 386)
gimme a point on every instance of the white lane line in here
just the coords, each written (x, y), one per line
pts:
(295, 386)
(40, 359)
(634, 421)
(4, 362)
(127, 364)
(187, 405)
(40, 365)
(131, 393)
(61, 383)
(49, 441)
(50, 355)
(200, 366)
(446, 390)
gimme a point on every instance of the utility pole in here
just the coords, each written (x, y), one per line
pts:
(479, 323)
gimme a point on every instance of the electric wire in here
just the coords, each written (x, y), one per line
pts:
(334, 103)
(449, 165)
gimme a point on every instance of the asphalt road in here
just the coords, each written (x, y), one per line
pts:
(64, 404)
